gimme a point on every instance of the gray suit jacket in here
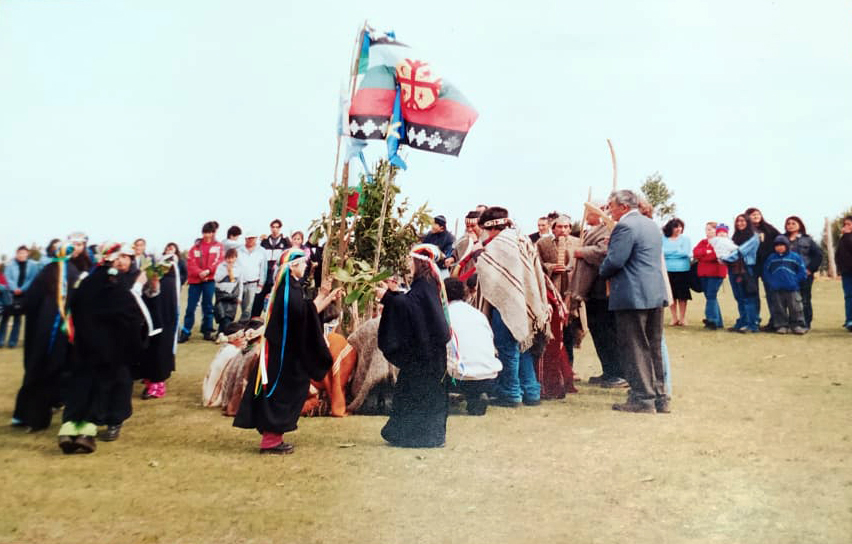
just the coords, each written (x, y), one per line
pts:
(634, 265)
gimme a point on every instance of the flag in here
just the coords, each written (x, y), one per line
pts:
(433, 114)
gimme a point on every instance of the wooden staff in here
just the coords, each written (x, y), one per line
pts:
(387, 182)
(614, 165)
(353, 78)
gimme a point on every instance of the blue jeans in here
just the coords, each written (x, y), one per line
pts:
(748, 306)
(205, 292)
(711, 308)
(16, 330)
(517, 380)
(847, 297)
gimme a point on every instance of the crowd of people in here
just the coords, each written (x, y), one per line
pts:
(494, 316)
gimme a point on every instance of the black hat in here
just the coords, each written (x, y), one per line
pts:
(441, 220)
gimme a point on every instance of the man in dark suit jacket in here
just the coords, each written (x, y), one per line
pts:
(634, 266)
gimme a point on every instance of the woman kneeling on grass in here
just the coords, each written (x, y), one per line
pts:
(413, 335)
(293, 353)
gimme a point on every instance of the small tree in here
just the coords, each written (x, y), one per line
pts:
(658, 196)
(401, 229)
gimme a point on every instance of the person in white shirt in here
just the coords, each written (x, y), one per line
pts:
(477, 364)
(229, 289)
(252, 261)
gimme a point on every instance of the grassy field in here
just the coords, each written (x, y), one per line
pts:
(757, 450)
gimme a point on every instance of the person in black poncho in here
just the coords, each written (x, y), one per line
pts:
(162, 298)
(110, 330)
(46, 345)
(766, 233)
(293, 353)
(413, 335)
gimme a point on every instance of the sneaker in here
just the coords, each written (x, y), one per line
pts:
(595, 380)
(782, 330)
(15, 422)
(532, 402)
(799, 330)
(506, 403)
(614, 383)
(662, 406)
(210, 336)
(183, 337)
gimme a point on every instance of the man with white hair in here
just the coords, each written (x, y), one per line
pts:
(633, 265)
(588, 287)
(252, 261)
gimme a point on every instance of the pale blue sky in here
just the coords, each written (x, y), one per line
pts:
(126, 118)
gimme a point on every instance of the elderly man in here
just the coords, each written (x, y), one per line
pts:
(252, 261)
(637, 296)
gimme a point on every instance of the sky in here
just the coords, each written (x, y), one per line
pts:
(128, 118)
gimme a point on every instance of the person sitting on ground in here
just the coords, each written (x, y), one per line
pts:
(232, 341)
(477, 365)
(783, 271)
(237, 370)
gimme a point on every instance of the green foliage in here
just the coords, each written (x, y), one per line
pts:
(659, 196)
(834, 227)
(35, 252)
(401, 230)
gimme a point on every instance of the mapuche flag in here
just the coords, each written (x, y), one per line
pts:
(435, 116)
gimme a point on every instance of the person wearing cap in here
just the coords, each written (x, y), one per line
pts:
(252, 261)
(110, 328)
(783, 271)
(711, 273)
(201, 262)
(413, 335)
(20, 274)
(441, 238)
(46, 343)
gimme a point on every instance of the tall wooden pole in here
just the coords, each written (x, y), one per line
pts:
(353, 78)
(829, 246)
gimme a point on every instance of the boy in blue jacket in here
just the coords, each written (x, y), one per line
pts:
(783, 271)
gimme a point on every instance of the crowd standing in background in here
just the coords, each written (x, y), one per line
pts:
(496, 311)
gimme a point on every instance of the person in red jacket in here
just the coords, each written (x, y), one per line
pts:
(201, 262)
(711, 273)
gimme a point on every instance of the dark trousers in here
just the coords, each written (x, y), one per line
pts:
(602, 328)
(786, 309)
(640, 337)
(805, 291)
(472, 391)
(260, 298)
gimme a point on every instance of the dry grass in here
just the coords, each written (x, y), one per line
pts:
(756, 450)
